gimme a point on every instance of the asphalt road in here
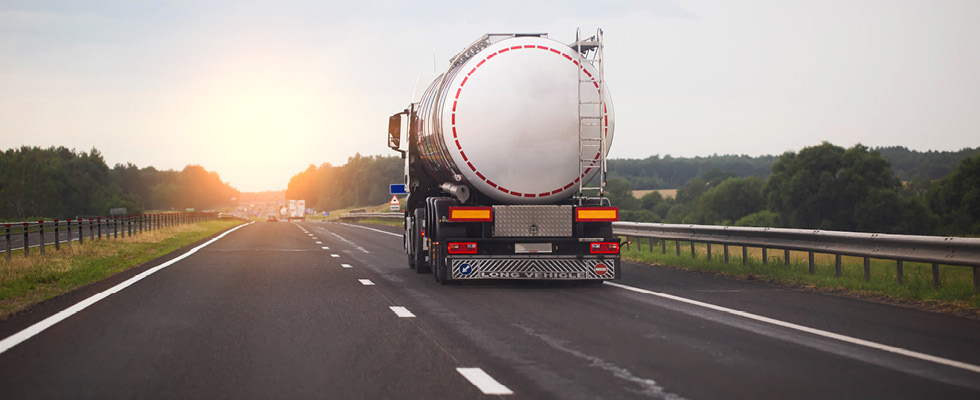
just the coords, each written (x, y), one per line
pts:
(267, 312)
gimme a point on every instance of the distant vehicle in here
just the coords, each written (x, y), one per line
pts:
(297, 210)
(272, 218)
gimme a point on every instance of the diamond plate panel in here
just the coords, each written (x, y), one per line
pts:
(536, 268)
(531, 221)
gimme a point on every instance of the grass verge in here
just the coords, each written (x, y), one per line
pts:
(379, 221)
(956, 293)
(25, 281)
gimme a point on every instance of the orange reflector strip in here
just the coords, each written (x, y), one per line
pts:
(471, 214)
(597, 214)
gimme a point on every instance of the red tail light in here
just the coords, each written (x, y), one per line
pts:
(604, 248)
(462, 248)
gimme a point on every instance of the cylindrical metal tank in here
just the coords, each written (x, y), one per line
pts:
(505, 121)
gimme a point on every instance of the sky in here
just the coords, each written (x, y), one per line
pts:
(257, 91)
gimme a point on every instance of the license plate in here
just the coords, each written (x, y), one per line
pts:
(532, 248)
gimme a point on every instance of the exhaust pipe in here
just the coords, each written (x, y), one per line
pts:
(460, 192)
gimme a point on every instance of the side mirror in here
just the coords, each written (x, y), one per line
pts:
(395, 131)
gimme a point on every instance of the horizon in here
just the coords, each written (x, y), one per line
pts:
(258, 92)
(661, 156)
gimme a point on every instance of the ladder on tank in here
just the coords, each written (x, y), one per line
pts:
(591, 149)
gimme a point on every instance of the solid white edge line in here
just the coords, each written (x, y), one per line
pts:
(483, 381)
(372, 229)
(366, 282)
(814, 331)
(48, 322)
(402, 312)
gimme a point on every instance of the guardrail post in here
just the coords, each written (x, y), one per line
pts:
(142, 218)
(867, 269)
(725, 246)
(27, 244)
(651, 245)
(786, 257)
(692, 250)
(708, 247)
(663, 246)
(40, 225)
(812, 266)
(976, 279)
(745, 255)
(81, 232)
(91, 232)
(899, 270)
(837, 266)
(108, 232)
(677, 248)
(935, 276)
(57, 239)
(6, 228)
(68, 230)
(98, 221)
(115, 227)
(765, 256)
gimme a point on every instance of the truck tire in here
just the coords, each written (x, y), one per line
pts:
(440, 232)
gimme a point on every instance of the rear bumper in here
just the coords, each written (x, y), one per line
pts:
(552, 267)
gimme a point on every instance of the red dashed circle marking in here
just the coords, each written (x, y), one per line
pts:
(605, 119)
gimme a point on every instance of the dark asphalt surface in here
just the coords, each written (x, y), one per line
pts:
(266, 312)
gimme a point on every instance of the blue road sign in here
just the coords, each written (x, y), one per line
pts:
(398, 189)
(465, 269)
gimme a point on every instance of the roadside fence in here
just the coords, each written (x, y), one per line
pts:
(27, 235)
(935, 250)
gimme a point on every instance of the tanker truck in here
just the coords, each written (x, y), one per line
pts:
(505, 163)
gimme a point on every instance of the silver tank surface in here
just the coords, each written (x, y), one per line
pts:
(504, 120)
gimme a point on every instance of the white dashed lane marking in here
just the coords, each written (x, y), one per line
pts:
(325, 248)
(335, 255)
(483, 381)
(366, 282)
(402, 312)
(346, 265)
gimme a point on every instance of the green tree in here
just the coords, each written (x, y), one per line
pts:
(731, 200)
(828, 187)
(956, 199)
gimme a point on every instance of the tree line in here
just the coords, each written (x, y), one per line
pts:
(58, 182)
(656, 172)
(361, 181)
(820, 187)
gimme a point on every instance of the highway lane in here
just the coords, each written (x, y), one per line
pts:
(269, 312)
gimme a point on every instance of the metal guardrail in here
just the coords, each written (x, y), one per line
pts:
(366, 215)
(27, 235)
(955, 251)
